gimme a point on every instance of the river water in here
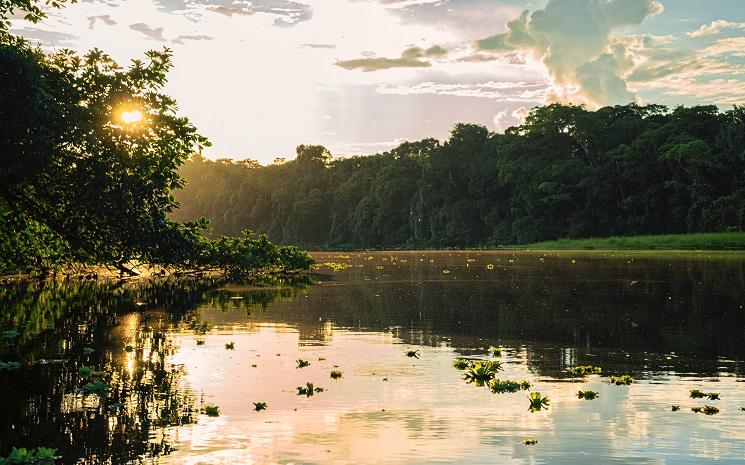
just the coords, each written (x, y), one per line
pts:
(163, 351)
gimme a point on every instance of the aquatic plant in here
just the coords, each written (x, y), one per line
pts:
(319, 389)
(525, 385)
(461, 363)
(587, 395)
(306, 390)
(302, 363)
(129, 348)
(23, 456)
(412, 353)
(259, 406)
(200, 342)
(335, 374)
(696, 394)
(530, 442)
(495, 351)
(621, 380)
(230, 346)
(98, 388)
(706, 410)
(713, 395)
(9, 366)
(537, 402)
(200, 328)
(211, 410)
(587, 370)
(482, 372)
(85, 371)
(321, 359)
(499, 386)
(675, 408)
(88, 350)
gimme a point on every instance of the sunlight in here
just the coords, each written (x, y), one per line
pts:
(131, 116)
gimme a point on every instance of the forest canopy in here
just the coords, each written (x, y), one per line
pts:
(567, 172)
(89, 152)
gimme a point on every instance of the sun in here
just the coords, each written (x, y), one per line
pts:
(131, 116)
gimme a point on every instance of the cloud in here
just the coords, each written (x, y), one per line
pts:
(495, 90)
(318, 45)
(714, 28)
(181, 39)
(574, 40)
(154, 33)
(413, 57)
(287, 12)
(106, 19)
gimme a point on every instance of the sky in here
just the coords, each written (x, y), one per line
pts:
(260, 77)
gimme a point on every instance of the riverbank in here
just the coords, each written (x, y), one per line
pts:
(703, 241)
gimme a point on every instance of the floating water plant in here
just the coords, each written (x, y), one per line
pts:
(587, 395)
(211, 410)
(302, 363)
(85, 371)
(537, 402)
(675, 408)
(306, 390)
(482, 372)
(88, 350)
(129, 348)
(489, 266)
(335, 374)
(495, 351)
(230, 346)
(530, 442)
(461, 364)
(200, 342)
(621, 380)
(22, 456)
(706, 410)
(259, 406)
(713, 395)
(587, 370)
(9, 366)
(499, 386)
(696, 394)
(98, 388)
(412, 353)
(525, 385)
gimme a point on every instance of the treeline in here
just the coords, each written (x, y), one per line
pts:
(89, 152)
(565, 173)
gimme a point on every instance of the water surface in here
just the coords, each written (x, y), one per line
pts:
(673, 321)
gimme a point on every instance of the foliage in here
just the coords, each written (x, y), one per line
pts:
(706, 410)
(99, 388)
(498, 386)
(566, 173)
(259, 406)
(698, 394)
(586, 370)
(230, 346)
(308, 389)
(9, 366)
(79, 185)
(302, 363)
(694, 241)
(530, 442)
(537, 402)
(336, 374)
(461, 364)
(21, 456)
(621, 380)
(495, 351)
(587, 395)
(412, 353)
(482, 372)
(211, 410)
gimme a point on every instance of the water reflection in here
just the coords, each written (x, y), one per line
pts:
(674, 323)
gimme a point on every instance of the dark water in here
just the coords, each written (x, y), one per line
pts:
(673, 321)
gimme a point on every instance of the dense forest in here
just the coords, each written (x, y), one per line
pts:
(89, 152)
(567, 172)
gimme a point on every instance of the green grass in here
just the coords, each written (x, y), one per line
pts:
(699, 241)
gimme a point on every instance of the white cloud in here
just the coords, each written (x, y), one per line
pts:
(714, 28)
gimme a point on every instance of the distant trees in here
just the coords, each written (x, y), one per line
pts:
(88, 159)
(566, 172)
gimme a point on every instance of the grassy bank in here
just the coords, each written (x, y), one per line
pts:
(707, 241)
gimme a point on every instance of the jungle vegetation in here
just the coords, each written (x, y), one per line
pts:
(567, 172)
(89, 152)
